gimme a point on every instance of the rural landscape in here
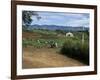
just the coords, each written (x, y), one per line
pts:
(54, 39)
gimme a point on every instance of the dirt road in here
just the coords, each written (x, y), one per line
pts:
(42, 58)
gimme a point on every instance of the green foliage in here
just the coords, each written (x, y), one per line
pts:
(39, 43)
(27, 17)
(77, 50)
(69, 46)
(44, 32)
(60, 31)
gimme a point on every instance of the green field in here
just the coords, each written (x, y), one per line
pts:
(69, 46)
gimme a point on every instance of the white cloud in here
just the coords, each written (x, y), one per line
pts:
(69, 19)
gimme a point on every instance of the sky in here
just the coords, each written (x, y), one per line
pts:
(62, 19)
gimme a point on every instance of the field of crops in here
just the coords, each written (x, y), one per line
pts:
(69, 46)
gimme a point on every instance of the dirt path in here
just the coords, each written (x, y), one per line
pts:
(41, 58)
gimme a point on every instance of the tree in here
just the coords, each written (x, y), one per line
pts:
(27, 17)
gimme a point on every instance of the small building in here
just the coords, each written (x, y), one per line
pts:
(69, 34)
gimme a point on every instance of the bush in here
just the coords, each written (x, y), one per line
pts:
(76, 50)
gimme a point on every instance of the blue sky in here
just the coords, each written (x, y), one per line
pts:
(62, 19)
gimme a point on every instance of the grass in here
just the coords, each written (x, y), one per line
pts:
(69, 46)
(76, 50)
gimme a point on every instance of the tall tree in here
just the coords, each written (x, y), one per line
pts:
(27, 17)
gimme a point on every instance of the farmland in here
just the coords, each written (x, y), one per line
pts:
(45, 44)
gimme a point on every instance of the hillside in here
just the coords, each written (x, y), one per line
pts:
(55, 27)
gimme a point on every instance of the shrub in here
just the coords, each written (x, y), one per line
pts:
(76, 50)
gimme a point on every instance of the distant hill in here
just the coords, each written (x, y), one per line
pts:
(55, 27)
